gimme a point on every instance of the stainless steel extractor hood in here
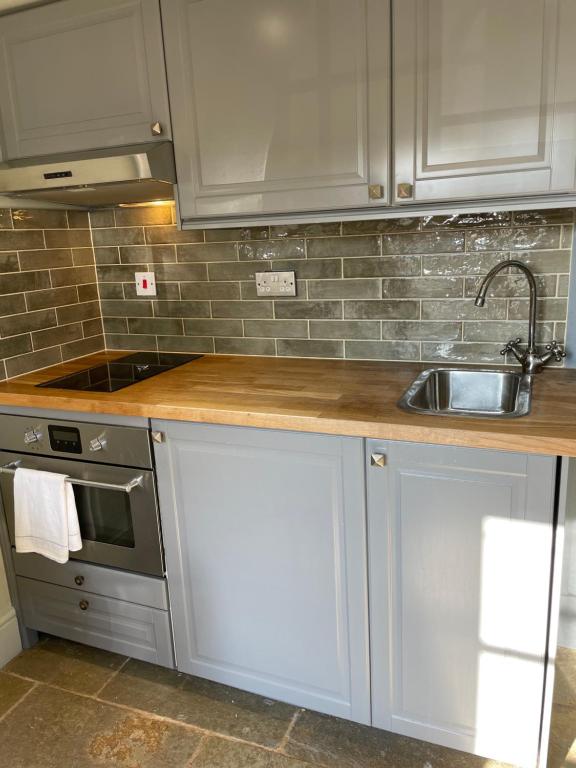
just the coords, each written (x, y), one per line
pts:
(135, 174)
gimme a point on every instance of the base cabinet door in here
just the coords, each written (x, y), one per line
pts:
(265, 549)
(460, 552)
(80, 74)
(484, 98)
(278, 106)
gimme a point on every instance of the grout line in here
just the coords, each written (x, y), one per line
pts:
(21, 699)
(199, 748)
(112, 676)
(284, 740)
(145, 713)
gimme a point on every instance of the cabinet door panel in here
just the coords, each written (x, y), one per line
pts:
(80, 75)
(277, 106)
(460, 552)
(477, 111)
(265, 541)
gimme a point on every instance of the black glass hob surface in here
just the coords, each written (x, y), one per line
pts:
(120, 373)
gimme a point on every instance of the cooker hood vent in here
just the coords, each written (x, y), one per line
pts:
(136, 174)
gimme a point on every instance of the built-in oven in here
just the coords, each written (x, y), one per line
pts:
(112, 475)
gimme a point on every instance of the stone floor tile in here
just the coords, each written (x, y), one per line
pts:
(565, 679)
(11, 690)
(219, 753)
(57, 729)
(336, 743)
(562, 749)
(69, 665)
(199, 702)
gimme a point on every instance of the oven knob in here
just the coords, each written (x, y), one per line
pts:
(32, 436)
(98, 443)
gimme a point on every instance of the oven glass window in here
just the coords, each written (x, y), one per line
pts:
(104, 516)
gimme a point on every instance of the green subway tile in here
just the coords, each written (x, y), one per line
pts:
(185, 344)
(213, 327)
(154, 214)
(142, 308)
(463, 309)
(11, 240)
(242, 309)
(9, 262)
(52, 297)
(382, 350)
(39, 219)
(344, 289)
(231, 270)
(332, 247)
(310, 348)
(156, 325)
(381, 226)
(423, 242)
(68, 238)
(504, 331)
(82, 347)
(62, 334)
(103, 218)
(422, 287)
(317, 269)
(129, 342)
(384, 309)
(286, 329)
(15, 345)
(548, 309)
(312, 310)
(454, 264)
(272, 249)
(514, 238)
(181, 309)
(344, 329)
(233, 234)
(109, 254)
(116, 273)
(512, 285)
(208, 290)
(225, 346)
(76, 312)
(313, 229)
(169, 234)
(16, 282)
(460, 220)
(147, 254)
(455, 352)
(72, 276)
(416, 330)
(180, 272)
(386, 266)
(546, 216)
(27, 321)
(203, 252)
(33, 361)
(12, 304)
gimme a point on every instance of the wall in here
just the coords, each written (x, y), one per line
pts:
(390, 289)
(49, 308)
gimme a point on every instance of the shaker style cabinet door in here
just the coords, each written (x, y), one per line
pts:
(81, 74)
(460, 551)
(265, 550)
(278, 106)
(485, 98)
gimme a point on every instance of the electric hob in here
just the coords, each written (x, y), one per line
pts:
(120, 373)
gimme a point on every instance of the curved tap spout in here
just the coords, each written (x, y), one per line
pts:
(481, 297)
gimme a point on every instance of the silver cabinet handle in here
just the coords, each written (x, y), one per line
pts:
(378, 460)
(156, 128)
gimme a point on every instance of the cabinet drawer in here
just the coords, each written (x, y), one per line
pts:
(108, 582)
(114, 625)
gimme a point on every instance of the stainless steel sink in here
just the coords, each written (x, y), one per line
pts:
(469, 392)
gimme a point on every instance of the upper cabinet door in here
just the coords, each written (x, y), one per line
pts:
(81, 74)
(485, 100)
(278, 106)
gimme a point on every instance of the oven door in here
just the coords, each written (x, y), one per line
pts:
(119, 529)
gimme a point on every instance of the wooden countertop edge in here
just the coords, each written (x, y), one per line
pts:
(378, 430)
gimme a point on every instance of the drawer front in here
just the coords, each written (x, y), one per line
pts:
(114, 625)
(108, 582)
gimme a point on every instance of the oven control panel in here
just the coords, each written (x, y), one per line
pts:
(65, 439)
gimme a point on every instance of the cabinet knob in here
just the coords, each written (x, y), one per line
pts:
(158, 437)
(375, 191)
(79, 580)
(98, 443)
(378, 460)
(83, 605)
(156, 129)
(404, 191)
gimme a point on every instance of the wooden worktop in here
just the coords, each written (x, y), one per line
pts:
(340, 397)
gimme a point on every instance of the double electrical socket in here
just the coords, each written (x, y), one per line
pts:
(275, 283)
(145, 283)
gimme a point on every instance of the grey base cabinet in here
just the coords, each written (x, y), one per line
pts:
(460, 553)
(266, 556)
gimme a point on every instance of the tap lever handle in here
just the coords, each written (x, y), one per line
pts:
(557, 351)
(512, 345)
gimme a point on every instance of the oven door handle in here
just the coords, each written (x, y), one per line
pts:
(10, 469)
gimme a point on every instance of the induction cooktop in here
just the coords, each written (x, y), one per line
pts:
(120, 373)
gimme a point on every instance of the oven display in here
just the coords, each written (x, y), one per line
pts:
(66, 439)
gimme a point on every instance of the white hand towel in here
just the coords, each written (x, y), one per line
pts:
(45, 515)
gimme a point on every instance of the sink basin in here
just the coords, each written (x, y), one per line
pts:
(469, 392)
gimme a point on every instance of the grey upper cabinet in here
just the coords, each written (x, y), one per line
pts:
(81, 74)
(485, 101)
(460, 552)
(266, 556)
(278, 106)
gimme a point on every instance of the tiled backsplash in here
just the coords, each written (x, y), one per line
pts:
(397, 289)
(49, 308)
